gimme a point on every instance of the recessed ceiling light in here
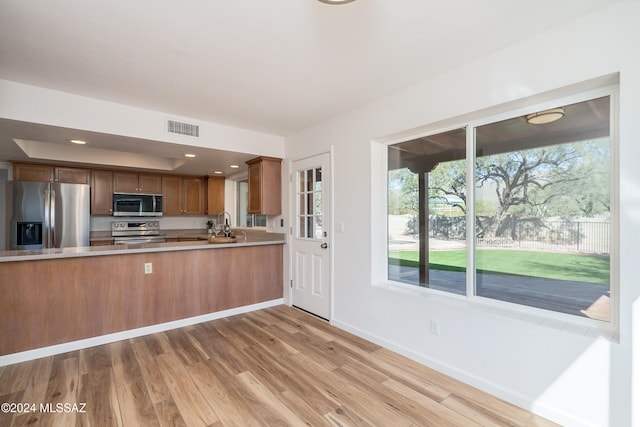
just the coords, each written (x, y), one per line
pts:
(190, 155)
(77, 141)
(234, 166)
(218, 172)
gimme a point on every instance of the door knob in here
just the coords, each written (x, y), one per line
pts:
(324, 246)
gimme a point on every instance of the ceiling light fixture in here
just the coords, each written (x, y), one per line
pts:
(218, 172)
(191, 156)
(546, 116)
(234, 166)
(336, 1)
(77, 141)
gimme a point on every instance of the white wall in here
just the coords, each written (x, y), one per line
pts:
(38, 105)
(569, 377)
(45, 106)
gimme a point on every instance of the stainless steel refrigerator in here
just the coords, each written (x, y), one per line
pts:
(47, 215)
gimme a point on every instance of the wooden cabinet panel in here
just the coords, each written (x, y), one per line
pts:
(183, 195)
(265, 186)
(125, 182)
(72, 175)
(267, 281)
(32, 172)
(215, 195)
(47, 173)
(255, 188)
(171, 195)
(193, 196)
(150, 184)
(132, 182)
(102, 243)
(111, 293)
(101, 192)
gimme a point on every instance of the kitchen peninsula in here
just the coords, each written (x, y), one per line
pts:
(57, 296)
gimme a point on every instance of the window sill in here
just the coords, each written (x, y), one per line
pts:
(558, 321)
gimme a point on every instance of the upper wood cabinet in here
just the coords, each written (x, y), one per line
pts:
(132, 182)
(265, 186)
(172, 195)
(48, 173)
(183, 195)
(215, 195)
(32, 172)
(72, 175)
(194, 195)
(101, 192)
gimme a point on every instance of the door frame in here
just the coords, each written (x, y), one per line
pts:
(330, 227)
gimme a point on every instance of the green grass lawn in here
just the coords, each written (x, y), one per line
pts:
(550, 265)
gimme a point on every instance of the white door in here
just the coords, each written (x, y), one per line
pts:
(311, 248)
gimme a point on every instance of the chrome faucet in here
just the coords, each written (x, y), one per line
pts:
(226, 227)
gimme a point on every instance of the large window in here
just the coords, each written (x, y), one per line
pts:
(538, 205)
(426, 211)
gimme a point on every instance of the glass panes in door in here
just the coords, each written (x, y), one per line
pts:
(310, 207)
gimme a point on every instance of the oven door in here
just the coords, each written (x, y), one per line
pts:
(141, 240)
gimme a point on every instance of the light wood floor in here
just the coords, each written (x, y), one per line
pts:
(278, 366)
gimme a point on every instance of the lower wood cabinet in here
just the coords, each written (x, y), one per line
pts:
(98, 295)
(102, 243)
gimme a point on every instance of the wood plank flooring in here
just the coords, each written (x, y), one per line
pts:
(273, 367)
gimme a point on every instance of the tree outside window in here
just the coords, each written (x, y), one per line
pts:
(542, 211)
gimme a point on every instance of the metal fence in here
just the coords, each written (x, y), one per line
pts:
(583, 236)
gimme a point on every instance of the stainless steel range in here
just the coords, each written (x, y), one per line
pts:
(136, 232)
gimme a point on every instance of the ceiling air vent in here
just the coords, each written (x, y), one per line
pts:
(183, 128)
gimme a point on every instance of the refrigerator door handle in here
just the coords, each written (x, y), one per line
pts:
(46, 221)
(51, 210)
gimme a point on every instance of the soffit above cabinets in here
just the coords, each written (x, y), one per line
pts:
(50, 144)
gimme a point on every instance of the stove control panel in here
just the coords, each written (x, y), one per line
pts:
(135, 228)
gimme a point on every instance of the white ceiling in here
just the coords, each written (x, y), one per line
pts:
(272, 66)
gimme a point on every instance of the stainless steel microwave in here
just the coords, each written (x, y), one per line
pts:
(137, 204)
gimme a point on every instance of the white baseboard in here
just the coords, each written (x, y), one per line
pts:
(132, 333)
(513, 397)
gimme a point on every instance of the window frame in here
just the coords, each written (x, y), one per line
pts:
(238, 207)
(379, 224)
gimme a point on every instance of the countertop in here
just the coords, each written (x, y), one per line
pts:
(253, 238)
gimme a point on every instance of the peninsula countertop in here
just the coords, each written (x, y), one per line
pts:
(253, 238)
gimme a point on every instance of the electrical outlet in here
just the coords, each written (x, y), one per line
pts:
(148, 268)
(435, 327)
